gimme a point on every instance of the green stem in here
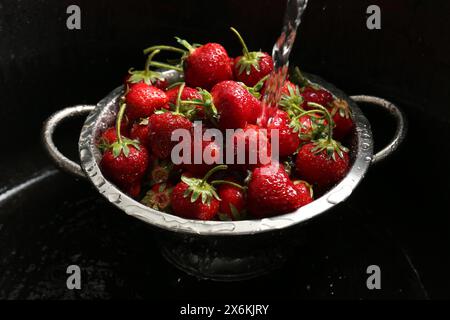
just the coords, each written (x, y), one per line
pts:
(260, 83)
(189, 102)
(149, 60)
(165, 66)
(305, 113)
(293, 105)
(185, 44)
(122, 108)
(228, 182)
(173, 85)
(180, 92)
(165, 48)
(212, 171)
(327, 115)
(244, 46)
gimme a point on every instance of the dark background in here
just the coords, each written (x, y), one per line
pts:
(45, 67)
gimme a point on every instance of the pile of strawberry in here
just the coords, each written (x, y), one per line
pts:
(223, 93)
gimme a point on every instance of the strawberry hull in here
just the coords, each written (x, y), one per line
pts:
(221, 250)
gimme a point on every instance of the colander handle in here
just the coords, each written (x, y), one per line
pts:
(48, 130)
(401, 124)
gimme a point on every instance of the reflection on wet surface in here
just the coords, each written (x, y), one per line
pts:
(45, 229)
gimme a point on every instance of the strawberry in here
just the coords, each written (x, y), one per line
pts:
(206, 65)
(342, 117)
(288, 87)
(143, 100)
(323, 162)
(108, 137)
(236, 106)
(125, 161)
(188, 94)
(305, 191)
(140, 131)
(233, 202)
(323, 167)
(291, 100)
(251, 67)
(208, 149)
(203, 65)
(316, 95)
(194, 198)
(146, 76)
(158, 197)
(257, 147)
(309, 126)
(271, 192)
(161, 127)
(288, 139)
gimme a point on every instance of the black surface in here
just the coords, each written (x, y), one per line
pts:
(397, 218)
(119, 258)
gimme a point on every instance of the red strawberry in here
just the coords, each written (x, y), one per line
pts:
(158, 197)
(322, 167)
(108, 137)
(188, 94)
(271, 192)
(233, 202)
(251, 67)
(342, 117)
(125, 161)
(161, 127)
(124, 164)
(143, 100)
(288, 87)
(236, 106)
(316, 95)
(322, 162)
(288, 139)
(310, 126)
(140, 131)
(257, 148)
(146, 76)
(210, 149)
(194, 198)
(206, 65)
(305, 191)
(291, 100)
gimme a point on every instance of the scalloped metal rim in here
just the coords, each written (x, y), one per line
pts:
(103, 115)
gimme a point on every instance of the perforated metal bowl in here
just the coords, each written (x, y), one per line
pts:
(219, 250)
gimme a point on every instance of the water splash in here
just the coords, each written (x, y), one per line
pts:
(280, 54)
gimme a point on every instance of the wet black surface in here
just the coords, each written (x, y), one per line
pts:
(397, 218)
(119, 258)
